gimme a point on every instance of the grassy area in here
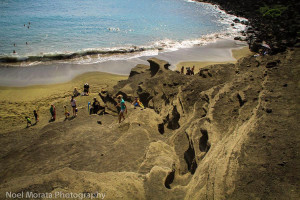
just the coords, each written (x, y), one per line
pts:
(272, 11)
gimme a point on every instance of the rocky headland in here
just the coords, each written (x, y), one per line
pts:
(277, 22)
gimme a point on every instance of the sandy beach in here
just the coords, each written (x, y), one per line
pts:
(236, 54)
(18, 102)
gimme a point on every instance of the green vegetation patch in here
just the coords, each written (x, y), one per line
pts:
(272, 11)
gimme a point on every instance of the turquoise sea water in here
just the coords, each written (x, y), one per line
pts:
(78, 28)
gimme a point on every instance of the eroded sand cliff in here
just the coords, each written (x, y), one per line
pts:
(229, 132)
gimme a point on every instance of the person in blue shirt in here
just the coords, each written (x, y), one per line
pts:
(123, 107)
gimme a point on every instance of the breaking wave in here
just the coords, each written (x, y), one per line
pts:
(91, 56)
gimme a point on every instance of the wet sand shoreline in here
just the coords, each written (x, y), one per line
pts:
(219, 51)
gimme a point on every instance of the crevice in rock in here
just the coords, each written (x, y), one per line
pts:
(272, 64)
(165, 98)
(205, 112)
(139, 89)
(181, 105)
(189, 157)
(166, 119)
(161, 128)
(170, 178)
(206, 98)
(241, 100)
(107, 98)
(145, 97)
(173, 121)
(204, 146)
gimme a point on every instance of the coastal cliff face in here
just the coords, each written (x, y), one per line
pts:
(232, 127)
(277, 22)
(229, 132)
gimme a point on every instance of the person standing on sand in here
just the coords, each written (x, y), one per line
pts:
(86, 89)
(73, 104)
(67, 114)
(193, 70)
(182, 70)
(36, 116)
(28, 120)
(53, 112)
(123, 107)
(188, 71)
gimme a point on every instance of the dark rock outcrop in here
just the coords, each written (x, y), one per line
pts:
(138, 70)
(275, 22)
(157, 65)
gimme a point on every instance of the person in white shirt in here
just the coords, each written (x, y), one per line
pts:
(73, 104)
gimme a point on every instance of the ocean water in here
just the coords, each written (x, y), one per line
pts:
(101, 29)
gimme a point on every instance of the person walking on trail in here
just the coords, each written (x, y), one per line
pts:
(36, 116)
(53, 112)
(67, 114)
(193, 70)
(73, 104)
(123, 107)
(28, 120)
(182, 70)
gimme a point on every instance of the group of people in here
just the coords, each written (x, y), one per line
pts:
(28, 120)
(67, 113)
(86, 90)
(189, 71)
(53, 109)
(93, 108)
